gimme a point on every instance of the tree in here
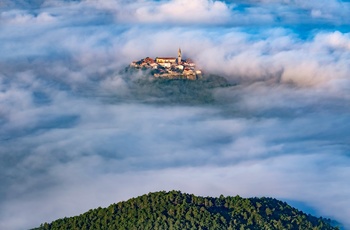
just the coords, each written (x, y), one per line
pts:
(176, 210)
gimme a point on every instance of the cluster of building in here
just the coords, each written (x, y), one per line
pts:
(169, 67)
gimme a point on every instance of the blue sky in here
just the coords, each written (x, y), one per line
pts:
(72, 137)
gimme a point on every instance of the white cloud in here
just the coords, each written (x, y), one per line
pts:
(182, 11)
(67, 132)
(168, 12)
(22, 17)
(335, 40)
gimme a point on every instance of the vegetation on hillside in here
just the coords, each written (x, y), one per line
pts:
(177, 91)
(176, 210)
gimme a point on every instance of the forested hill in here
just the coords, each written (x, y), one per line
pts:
(176, 210)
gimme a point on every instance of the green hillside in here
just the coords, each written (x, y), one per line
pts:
(176, 210)
(144, 87)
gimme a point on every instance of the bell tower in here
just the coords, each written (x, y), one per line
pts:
(179, 57)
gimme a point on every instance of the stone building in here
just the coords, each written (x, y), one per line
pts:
(170, 67)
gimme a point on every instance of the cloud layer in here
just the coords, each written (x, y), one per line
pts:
(74, 137)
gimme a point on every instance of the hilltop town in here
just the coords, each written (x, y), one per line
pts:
(169, 67)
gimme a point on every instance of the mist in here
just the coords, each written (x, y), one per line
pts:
(75, 135)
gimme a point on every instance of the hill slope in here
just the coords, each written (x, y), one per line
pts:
(143, 87)
(176, 210)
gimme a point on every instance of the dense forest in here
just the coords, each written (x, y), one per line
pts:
(176, 210)
(148, 89)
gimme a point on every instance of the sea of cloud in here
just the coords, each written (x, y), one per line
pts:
(73, 138)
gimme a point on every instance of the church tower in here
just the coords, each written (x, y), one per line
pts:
(179, 57)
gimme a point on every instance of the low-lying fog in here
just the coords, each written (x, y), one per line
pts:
(75, 135)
